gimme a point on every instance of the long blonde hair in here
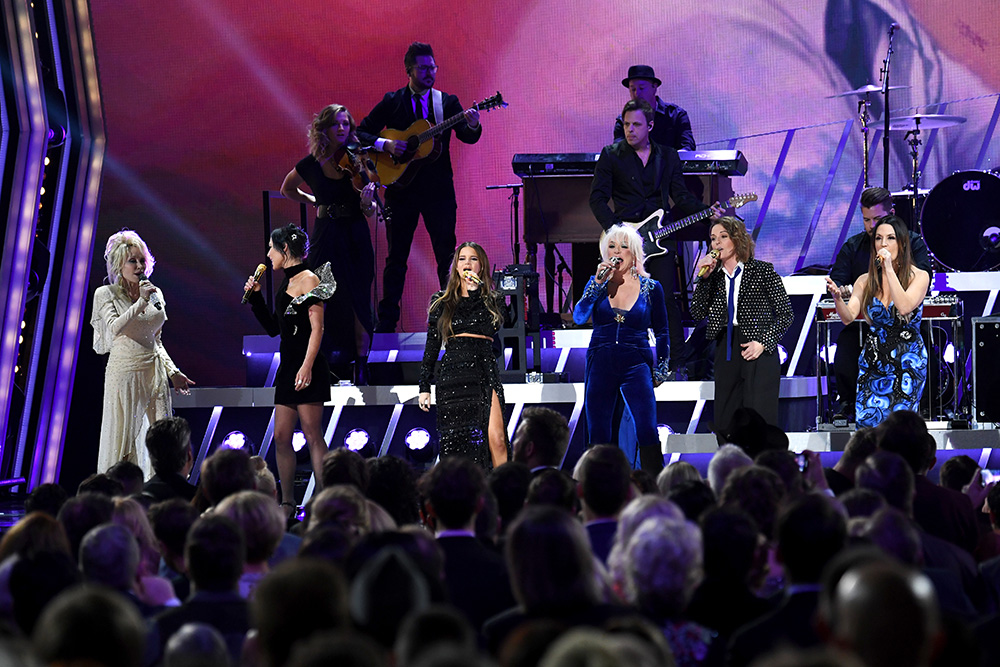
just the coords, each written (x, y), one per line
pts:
(449, 298)
(116, 252)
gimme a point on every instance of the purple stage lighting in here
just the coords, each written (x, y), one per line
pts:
(356, 439)
(782, 354)
(828, 354)
(298, 440)
(663, 430)
(234, 440)
(417, 439)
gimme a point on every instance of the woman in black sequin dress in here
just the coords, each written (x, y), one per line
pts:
(466, 315)
(302, 384)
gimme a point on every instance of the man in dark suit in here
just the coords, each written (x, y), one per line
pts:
(852, 261)
(810, 533)
(431, 193)
(541, 439)
(671, 126)
(604, 487)
(215, 553)
(641, 176)
(475, 576)
(168, 441)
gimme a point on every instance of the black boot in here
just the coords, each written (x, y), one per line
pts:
(651, 459)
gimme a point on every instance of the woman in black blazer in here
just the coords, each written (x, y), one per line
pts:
(747, 369)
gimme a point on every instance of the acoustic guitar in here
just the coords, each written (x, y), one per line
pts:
(651, 232)
(421, 143)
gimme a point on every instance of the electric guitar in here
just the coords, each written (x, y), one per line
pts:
(420, 143)
(652, 233)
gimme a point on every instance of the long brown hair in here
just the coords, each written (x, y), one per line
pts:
(449, 298)
(319, 143)
(903, 264)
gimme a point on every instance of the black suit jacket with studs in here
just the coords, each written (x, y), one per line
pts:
(763, 309)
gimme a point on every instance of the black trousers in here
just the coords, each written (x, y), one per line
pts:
(744, 384)
(437, 206)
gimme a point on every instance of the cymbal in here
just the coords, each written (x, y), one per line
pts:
(924, 121)
(865, 90)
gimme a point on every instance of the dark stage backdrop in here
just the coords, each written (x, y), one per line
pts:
(207, 104)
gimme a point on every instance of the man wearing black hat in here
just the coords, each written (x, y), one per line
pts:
(671, 126)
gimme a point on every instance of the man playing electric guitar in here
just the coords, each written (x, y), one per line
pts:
(639, 177)
(431, 192)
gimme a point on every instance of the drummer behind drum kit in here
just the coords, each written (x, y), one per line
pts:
(960, 217)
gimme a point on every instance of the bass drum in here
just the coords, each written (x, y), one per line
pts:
(960, 221)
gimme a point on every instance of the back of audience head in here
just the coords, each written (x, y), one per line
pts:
(526, 645)
(757, 490)
(725, 461)
(817, 656)
(102, 484)
(87, 625)
(109, 555)
(509, 483)
(419, 546)
(751, 433)
(861, 445)
(129, 475)
(541, 438)
(890, 476)
(487, 521)
(196, 645)
(957, 472)
(298, 599)
(215, 554)
(887, 614)
(555, 488)
(379, 520)
(337, 648)
(589, 648)
(674, 474)
(48, 497)
(631, 517)
(393, 485)
(168, 442)
(603, 476)
(643, 482)
(81, 513)
(453, 492)
(810, 532)
(131, 515)
(35, 581)
(694, 497)
(171, 521)
(330, 542)
(636, 626)
(861, 503)
(894, 533)
(904, 432)
(433, 626)
(226, 472)
(730, 544)
(261, 520)
(388, 588)
(550, 561)
(783, 463)
(264, 479)
(663, 561)
(341, 504)
(36, 532)
(344, 466)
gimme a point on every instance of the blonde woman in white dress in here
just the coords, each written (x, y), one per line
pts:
(128, 316)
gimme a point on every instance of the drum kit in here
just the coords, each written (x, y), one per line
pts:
(959, 219)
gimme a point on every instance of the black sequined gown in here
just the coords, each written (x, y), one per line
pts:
(466, 379)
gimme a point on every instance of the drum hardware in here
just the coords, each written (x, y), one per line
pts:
(864, 105)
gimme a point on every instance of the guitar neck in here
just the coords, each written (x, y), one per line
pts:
(681, 224)
(435, 130)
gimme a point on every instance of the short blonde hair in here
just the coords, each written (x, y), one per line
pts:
(261, 520)
(116, 252)
(625, 235)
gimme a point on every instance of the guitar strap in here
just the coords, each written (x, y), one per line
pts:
(437, 101)
(659, 166)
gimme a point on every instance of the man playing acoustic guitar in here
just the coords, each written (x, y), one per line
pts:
(639, 176)
(430, 190)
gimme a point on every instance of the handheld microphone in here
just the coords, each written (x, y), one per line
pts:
(473, 277)
(615, 261)
(256, 276)
(703, 271)
(154, 297)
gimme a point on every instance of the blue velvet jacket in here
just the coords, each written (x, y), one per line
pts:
(631, 330)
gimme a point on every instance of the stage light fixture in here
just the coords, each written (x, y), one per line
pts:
(782, 354)
(828, 354)
(298, 440)
(417, 439)
(356, 439)
(663, 430)
(234, 440)
(949, 354)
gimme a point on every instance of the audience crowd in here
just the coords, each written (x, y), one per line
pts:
(767, 560)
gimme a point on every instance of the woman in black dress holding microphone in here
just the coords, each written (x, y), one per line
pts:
(302, 384)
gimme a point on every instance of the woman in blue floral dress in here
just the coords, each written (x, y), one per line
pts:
(892, 369)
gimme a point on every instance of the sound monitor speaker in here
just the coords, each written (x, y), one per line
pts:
(986, 368)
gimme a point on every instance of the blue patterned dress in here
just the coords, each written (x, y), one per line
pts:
(893, 365)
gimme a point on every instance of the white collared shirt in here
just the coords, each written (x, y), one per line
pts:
(736, 290)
